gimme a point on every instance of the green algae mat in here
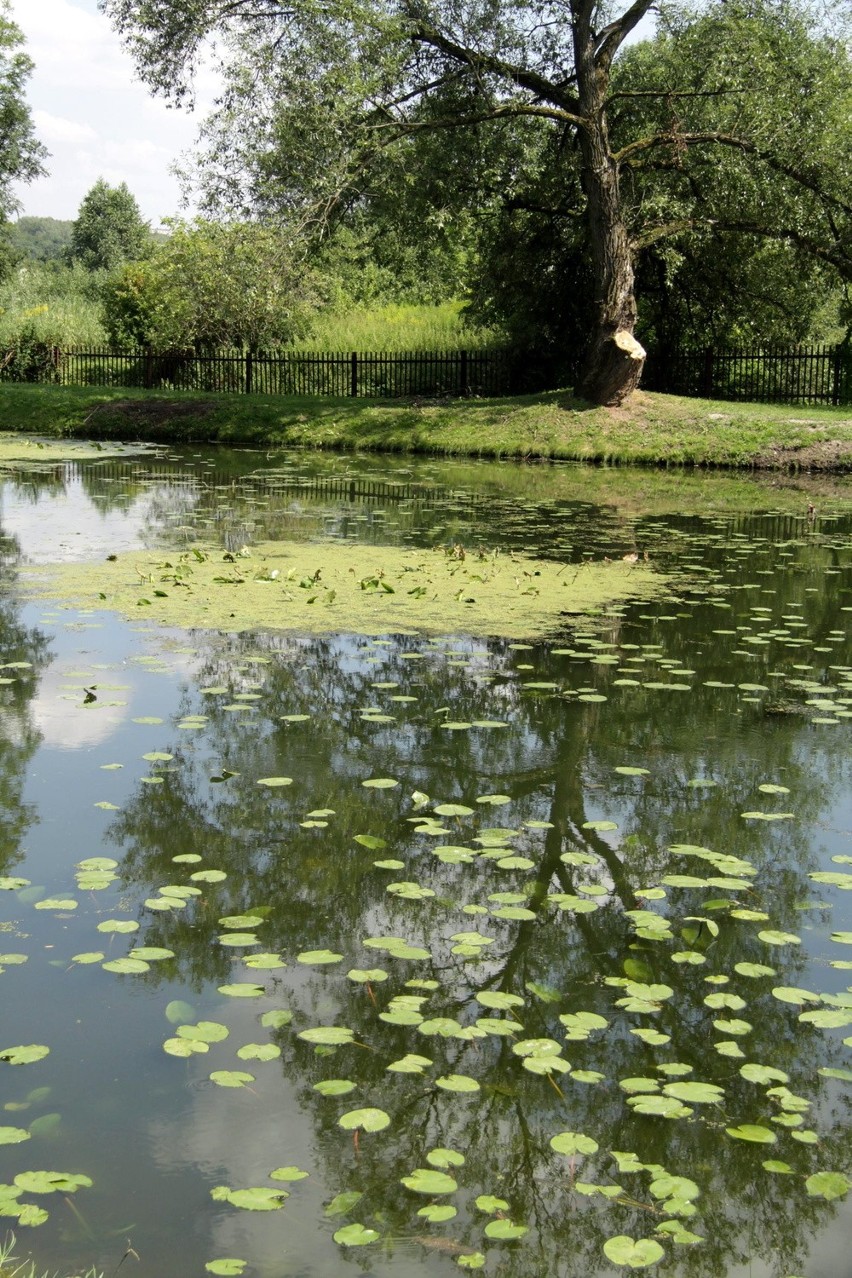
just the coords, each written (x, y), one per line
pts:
(331, 587)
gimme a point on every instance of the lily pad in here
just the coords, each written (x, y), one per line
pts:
(368, 1120)
(24, 1055)
(426, 1180)
(635, 1254)
(754, 1132)
(355, 1235)
(828, 1185)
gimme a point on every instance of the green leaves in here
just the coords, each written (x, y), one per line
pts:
(828, 1185)
(231, 1078)
(328, 1035)
(634, 1254)
(753, 1132)
(573, 1143)
(13, 1135)
(368, 1120)
(426, 1180)
(24, 1055)
(256, 1198)
(355, 1236)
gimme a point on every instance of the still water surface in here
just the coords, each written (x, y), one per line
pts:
(584, 955)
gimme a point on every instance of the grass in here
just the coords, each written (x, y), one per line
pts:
(59, 305)
(396, 328)
(652, 429)
(12, 1267)
(53, 303)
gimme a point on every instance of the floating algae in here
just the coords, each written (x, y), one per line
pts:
(331, 587)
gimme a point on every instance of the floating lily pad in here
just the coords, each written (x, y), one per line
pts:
(256, 1198)
(457, 1083)
(752, 1132)
(231, 1078)
(368, 1120)
(635, 1254)
(334, 1087)
(318, 957)
(355, 1235)
(118, 925)
(437, 1213)
(288, 1174)
(13, 1135)
(828, 1185)
(426, 1180)
(571, 1143)
(504, 1230)
(24, 1055)
(50, 1182)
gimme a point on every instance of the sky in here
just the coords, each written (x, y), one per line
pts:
(95, 117)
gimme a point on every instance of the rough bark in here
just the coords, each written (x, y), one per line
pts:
(614, 359)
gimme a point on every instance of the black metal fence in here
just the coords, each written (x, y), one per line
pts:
(770, 375)
(374, 375)
(796, 375)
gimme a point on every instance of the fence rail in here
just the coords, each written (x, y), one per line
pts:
(796, 375)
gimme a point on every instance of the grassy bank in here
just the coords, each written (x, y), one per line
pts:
(652, 429)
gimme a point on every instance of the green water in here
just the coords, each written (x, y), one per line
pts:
(604, 995)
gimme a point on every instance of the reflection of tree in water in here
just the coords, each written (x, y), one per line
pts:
(232, 501)
(23, 656)
(555, 760)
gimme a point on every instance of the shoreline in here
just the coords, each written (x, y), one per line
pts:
(652, 430)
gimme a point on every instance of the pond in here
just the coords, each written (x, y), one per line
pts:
(423, 949)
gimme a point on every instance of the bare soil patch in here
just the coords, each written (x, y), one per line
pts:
(152, 418)
(825, 454)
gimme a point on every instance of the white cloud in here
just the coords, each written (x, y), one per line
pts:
(95, 117)
(53, 129)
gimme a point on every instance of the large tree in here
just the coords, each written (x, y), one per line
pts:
(21, 154)
(109, 229)
(734, 191)
(324, 94)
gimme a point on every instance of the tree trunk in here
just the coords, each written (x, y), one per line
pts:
(615, 359)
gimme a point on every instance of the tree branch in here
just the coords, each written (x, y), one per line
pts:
(508, 110)
(837, 257)
(675, 138)
(609, 41)
(674, 93)
(539, 85)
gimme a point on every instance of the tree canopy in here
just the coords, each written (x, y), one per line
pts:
(21, 153)
(109, 228)
(211, 285)
(733, 123)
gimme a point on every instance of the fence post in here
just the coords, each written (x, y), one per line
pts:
(353, 380)
(463, 388)
(707, 377)
(842, 389)
(149, 368)
(56, 361)
(249, 371)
